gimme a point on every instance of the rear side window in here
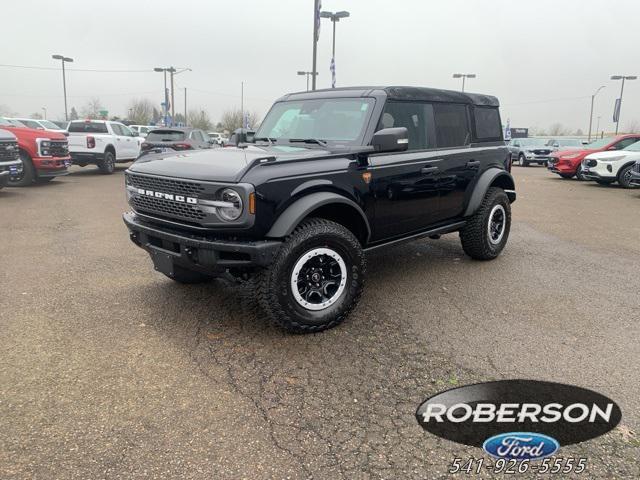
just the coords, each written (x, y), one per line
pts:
(488, 126)
(452, 125)
(88, 127)
(165, 136)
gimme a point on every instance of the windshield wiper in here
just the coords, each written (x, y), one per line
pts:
(266, 139)
(322, 143)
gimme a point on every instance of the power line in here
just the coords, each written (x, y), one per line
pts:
(79, 96)
(97, 70)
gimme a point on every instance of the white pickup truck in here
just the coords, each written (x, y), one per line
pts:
(102, 143)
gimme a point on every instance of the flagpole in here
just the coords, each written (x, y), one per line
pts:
(316, 33)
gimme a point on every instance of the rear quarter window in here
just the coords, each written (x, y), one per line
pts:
(88, 127)
(487, 123)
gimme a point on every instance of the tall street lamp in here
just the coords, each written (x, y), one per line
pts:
(335, 18)
(464, 76)
(316, 34)
(63, 60)
(44, 109)
(308, 74)
(618, 107)
(166, 97)
(591, 114)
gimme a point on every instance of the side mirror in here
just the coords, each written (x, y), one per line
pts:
(391, 140)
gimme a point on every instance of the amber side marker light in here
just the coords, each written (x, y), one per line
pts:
(252, 203)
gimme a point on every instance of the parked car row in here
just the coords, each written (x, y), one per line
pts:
(36, 151)
(525, 151)
(607, 160)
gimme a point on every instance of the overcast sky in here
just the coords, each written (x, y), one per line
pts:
(542, 58)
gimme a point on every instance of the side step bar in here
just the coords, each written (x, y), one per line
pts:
(452, 227)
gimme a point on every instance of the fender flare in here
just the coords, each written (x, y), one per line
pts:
(482, 185)
(298, 210)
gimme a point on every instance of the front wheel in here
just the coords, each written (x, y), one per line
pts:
(624, 177)
(28, 172)
(486, 232)
(316, 278)
(522, 160)
(580, 174)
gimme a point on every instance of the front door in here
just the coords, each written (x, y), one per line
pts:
(405, 184)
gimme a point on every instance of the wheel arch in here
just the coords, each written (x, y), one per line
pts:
(625, 165)
(494, 177)
(328, 205)
(110, 148)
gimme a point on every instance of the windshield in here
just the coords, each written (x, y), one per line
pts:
(49, 125)
(32, 124)
(5, 123)
(330, 120)
(634, 147)
(603, 142)
(165, 136)
(532, 142)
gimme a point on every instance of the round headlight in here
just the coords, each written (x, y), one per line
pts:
(234, 209)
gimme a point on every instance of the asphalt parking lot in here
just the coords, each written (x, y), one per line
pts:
(109, 370)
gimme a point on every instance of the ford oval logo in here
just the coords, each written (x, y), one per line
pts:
(521, 446)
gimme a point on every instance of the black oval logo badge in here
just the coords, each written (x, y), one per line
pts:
(474, 413)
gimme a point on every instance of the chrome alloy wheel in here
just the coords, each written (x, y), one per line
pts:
(318, 279)
(497, 224)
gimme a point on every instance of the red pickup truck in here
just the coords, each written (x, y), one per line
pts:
(44, 154)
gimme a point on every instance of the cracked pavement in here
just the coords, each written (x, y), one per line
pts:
(109, 370)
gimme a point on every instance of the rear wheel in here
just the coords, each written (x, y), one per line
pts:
(624, 177)
(108, 163)
(316, 278)
(28, 172)
(486, 232)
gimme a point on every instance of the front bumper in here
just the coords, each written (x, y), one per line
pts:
(7, 169)
(202, 253)
(51, 166)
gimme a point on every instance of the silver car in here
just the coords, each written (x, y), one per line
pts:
(530, 150)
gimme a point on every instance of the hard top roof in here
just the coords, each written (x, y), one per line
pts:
(399, 93)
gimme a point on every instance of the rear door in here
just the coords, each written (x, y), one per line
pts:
(474, 142)
(404, 184)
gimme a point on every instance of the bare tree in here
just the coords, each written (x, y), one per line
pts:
(557, 129)
(632, 126)
(92, 108)
(73, 115)
(579, 132)
(199, 119)
(232, 119)
(141, 111)
(36, 116)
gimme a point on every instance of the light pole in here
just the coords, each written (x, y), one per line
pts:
(166, 99)
(185, 106)
(64, 59)
(618, 107)
(308, 74)
(44, 109)
(464, 76)
(335, 18)
(316, 35)
(172, 72)
(598, 126)
(591, 114)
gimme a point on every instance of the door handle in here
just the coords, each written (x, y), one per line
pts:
(428, 169)
(473, 163)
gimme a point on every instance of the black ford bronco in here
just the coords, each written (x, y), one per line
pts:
(328, 175)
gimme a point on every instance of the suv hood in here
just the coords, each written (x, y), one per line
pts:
(606, 155)
(218, 164)
(573, 151)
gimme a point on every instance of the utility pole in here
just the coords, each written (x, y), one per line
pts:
(591, 114)
(316, 35)
(185, 106)
(173, 103)
(241, 104)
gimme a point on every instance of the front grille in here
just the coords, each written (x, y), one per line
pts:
(160, 205)
(164, 185)
(542, 152)
(9, 151)
(59, 148)
(591, 162)
(636, 167)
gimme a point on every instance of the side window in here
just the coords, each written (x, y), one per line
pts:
(625, 143)
(452, 125)
(116, 129)
(126, 131)
(197, 135)
(487, 123)
(416, 117)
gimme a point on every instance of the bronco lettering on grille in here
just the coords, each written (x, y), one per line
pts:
(168, 196)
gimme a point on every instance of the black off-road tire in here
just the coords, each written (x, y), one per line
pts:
(182, 275)
(28, 172)
(275, 294)
(108, 163)
(475, 234)
(624, 177)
